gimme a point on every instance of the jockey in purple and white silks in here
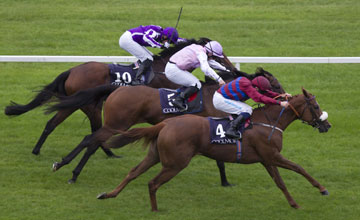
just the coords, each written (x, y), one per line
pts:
(231, 98)
(189, 58)
(136, 39)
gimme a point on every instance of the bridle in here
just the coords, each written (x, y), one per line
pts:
(316, 122)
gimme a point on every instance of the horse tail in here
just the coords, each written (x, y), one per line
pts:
(82, 98)
(48, 91)
(149, 135)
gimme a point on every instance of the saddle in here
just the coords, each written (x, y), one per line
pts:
(123, 75)
(194, 102)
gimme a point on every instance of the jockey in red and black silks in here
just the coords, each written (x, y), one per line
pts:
(231, 98)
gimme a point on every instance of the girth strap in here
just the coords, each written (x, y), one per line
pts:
(269, 126)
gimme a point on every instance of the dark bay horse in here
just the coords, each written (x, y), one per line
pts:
(125, 107)
(90, 75)
(176, 140)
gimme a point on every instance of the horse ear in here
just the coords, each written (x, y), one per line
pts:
(306, 94)
(259, 70)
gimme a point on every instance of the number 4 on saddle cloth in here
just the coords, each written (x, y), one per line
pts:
(123, 75)
(194, 103)
(218, 126)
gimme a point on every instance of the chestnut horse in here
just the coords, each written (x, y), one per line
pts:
(127, 106)
(176, 140)
(90, 75)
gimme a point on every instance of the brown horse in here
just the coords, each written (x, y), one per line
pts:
(125, 107)
(176, 140)
(90, 75)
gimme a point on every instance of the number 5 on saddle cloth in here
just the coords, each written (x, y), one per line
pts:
(123, 75)
(194, 102)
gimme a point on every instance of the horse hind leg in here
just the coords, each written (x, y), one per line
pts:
(166, 174)
(72, 154)
(58, 118)
(150, 160)
(94, 142)
(94, 115)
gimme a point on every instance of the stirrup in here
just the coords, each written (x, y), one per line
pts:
(233, 135)
(182, 107)
(136, 82)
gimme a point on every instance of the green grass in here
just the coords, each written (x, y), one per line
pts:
(30, 190)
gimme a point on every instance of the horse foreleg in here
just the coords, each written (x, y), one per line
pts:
(72, 154)
(275, 175)
(150, 160)
(221, 166)
(287, 164)
(58, 118)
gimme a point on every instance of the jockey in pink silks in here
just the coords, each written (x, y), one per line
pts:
(189, 58)
(136, 39)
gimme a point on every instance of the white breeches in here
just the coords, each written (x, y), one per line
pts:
(230, 106)
(127, 43)
(181, 77)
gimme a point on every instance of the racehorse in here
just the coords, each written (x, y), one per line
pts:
(127, 106)
(175, 141)
(90, 75)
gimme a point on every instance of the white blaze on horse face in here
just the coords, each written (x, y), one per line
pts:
(324, 116)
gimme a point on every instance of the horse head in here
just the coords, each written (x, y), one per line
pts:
(309, 111)
(275, 85)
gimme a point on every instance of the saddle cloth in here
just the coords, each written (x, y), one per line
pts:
(194, 102)
(218, 126)
(122, 75)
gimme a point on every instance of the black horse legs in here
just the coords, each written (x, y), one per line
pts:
(76, 172)
(221, 166)
(58, 118)
(72, 154)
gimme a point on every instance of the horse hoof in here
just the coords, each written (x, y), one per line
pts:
(295, 206)
(325, 193)
(71, 181)
(115, 156)
(227, 184)
(101, 196)
(35, 152)
(55, 166)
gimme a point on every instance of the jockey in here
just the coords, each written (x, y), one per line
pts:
(189, 58)
(231, 98)
(136, 39)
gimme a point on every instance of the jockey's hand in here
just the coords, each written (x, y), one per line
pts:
(284, 104)
(287, 95)
(221, 82)
(166, 44)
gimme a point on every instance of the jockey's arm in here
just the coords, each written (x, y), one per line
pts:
(149, 37)
(216, 65)
(204, 66)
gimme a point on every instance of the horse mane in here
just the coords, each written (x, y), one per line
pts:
(225, 75)
(173, 49)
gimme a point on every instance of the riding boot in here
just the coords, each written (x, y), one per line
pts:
(179, 101)
(143, 67)
(233, 132)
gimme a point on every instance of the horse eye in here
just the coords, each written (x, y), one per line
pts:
(316, 107)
